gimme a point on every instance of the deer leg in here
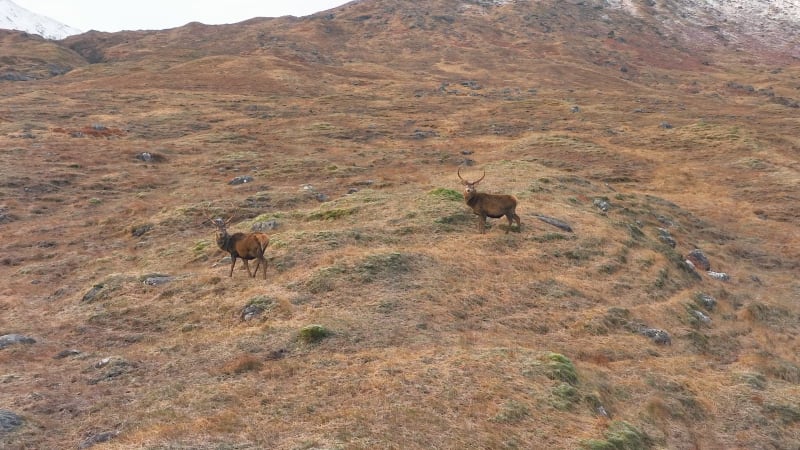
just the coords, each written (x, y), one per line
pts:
(265, 266)
(482, 224)
(247, 266)
(233, 263)
(519, 222)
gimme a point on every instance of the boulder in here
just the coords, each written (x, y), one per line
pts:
(9, 421)
(13, 339)
(699, 259)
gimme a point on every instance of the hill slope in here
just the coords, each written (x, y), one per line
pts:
(386, 320)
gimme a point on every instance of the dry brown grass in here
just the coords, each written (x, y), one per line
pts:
(437, 337)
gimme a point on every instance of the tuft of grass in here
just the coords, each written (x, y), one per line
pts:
(311, 334)
(614, 319)
(511, 412)
(620, 436)
(770, 315)
(447, 194)
(331, 214)
(200, 247)
(783, 370)
(324, 279)
(753, 379)
(564, 396)
(561, 368)
(459, 217)
(242, 364)
(786, 413)
(379, 266)
(551, 237)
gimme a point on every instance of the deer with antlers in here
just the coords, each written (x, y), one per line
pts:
(489, 205)
(247, 246)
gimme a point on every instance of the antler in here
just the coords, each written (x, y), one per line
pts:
(467, 182)
(206, 213)
(216, 221)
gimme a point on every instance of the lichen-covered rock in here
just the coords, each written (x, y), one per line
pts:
(699, 259)
(12, 339)
(665, 236)
(660, 337)
(9, 421)
(719, 276)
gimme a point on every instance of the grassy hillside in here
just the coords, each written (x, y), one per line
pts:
(386, 320)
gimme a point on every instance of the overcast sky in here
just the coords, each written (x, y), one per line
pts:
(117, 15)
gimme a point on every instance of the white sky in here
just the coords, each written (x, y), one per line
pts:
(117, 15)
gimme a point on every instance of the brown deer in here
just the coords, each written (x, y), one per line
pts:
(489, 205)
(242, 245)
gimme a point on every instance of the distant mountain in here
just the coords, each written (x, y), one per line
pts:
(15, 17)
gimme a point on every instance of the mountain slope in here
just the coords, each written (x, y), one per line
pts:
(648, 301)
(14, 17)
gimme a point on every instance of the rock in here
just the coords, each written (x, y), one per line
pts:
(666, 125)
(665, 220)
(424, 134)
(9, 421)
(98, 439)
(149, 157)
(555, 222)
(699, 260)
(689, 268)
(5, 215)
(660, 337)
(706, 301)
(241, 180)
(93, 293)
(575, 109)
(12, 339)
(314, 193)
(665, 236)
(252, 311)
(472, 84)
(14, 76)
(66, 353)
(156, 281)
(702, 317)
(113, 368)
(145, 156)
(719, 276)
(601, 204)
(266, 225)
(140, 230)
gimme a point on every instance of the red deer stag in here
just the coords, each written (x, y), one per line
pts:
(489, 205)
(242, 245)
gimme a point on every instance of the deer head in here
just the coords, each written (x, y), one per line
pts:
(469, 186)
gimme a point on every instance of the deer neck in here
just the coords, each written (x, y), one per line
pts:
(223, 238)
(471, 198)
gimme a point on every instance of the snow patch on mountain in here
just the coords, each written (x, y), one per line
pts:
(15, 17)
(770, 24)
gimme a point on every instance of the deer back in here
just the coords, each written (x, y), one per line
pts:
(492, 205)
